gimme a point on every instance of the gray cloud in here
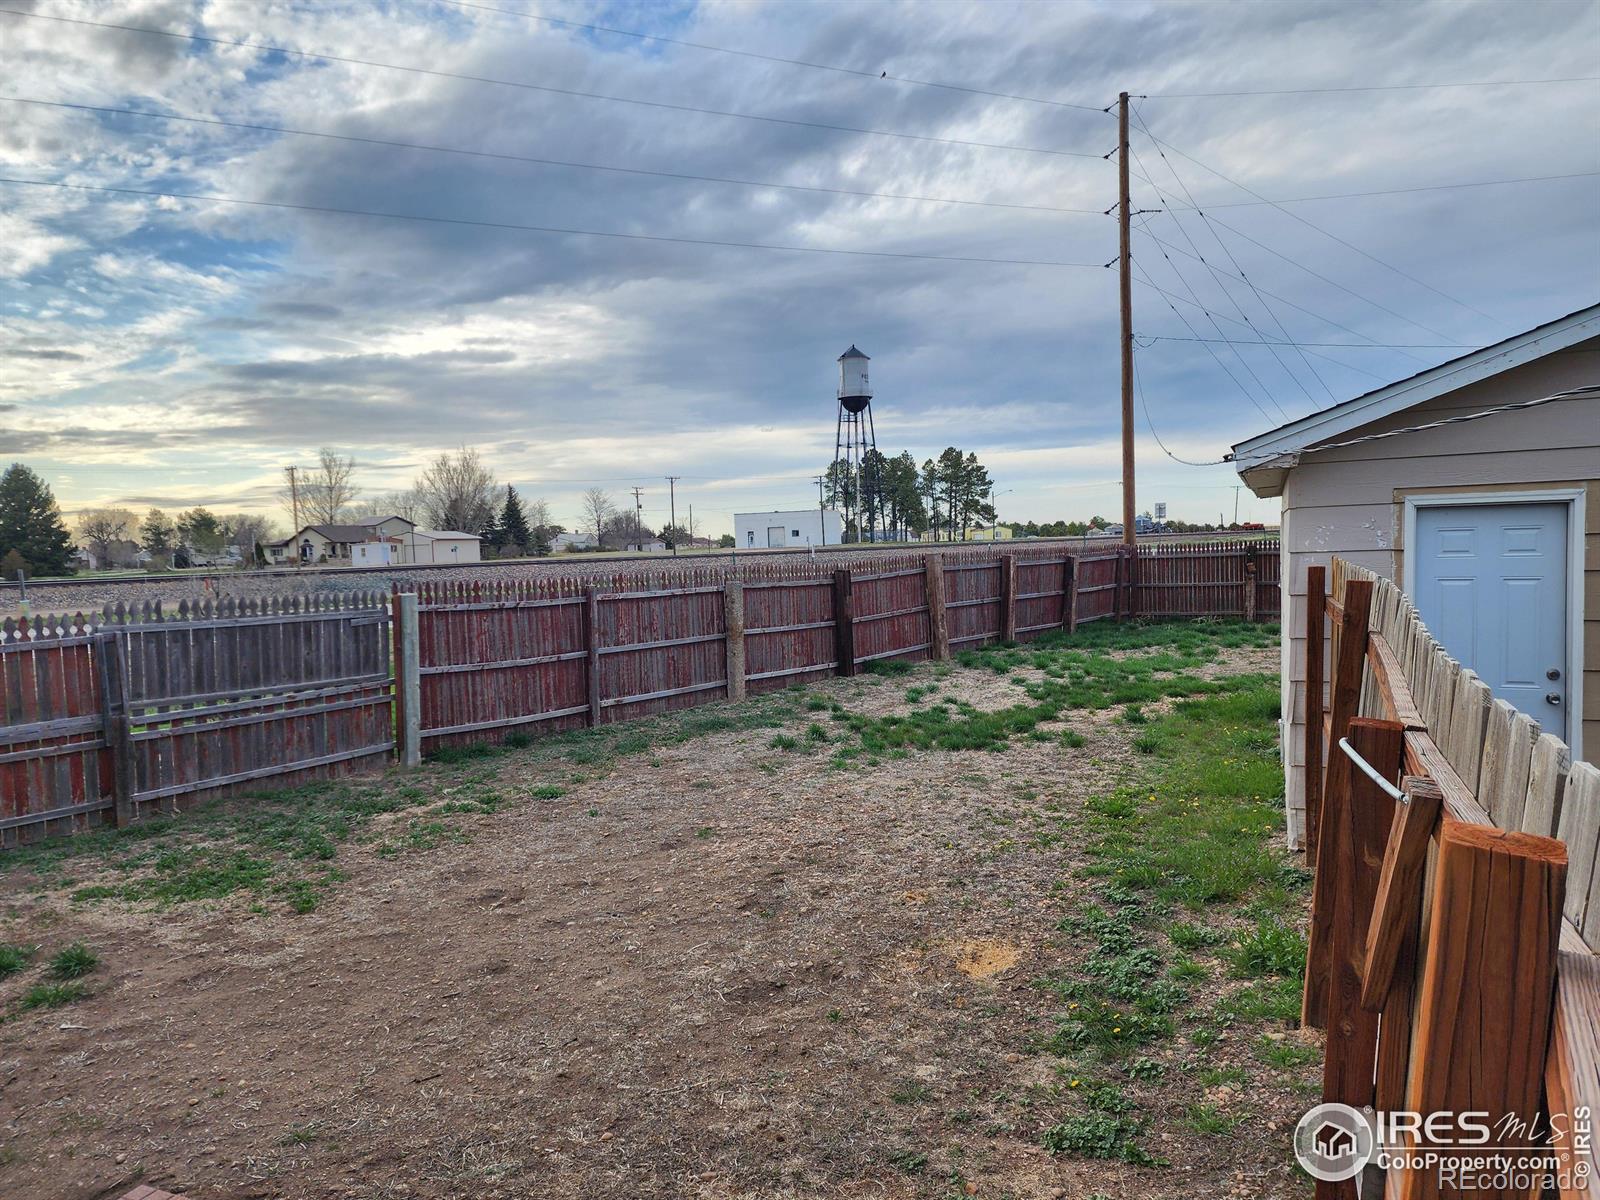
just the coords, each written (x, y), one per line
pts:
(568, 356)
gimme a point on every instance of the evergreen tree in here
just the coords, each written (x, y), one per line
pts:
(514, 531)
(158, 535)
(31, 524)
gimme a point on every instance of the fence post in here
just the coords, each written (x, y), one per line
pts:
(1008, 598)
(591, 640)
(844, 628)
(1358, 831)
(408, 677)
(733, 619)
(1327, 885)
(1485, 1001)
(1069, 595)
(113, 663)
(1250, 588)
(1316, 617)
(938, 620)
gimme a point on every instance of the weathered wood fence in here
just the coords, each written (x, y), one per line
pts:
(115, 715)
(1450, 948)
(129, 712)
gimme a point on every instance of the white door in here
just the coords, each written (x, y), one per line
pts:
(775, 536)
(1491, 584)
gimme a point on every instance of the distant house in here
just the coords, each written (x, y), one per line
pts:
(1476, 486)
(120, 553)
(440, 546)
(572, 541)
(648, 546)
(991, 533)
(787, 527)
(334, 544)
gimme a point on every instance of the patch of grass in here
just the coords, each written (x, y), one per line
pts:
(912, 1162)
(1271, 948)
(889, 666)
(1210, 1120)
(1072, 739)
(1286, 1055)
(784, 741)
(1195, 937)
(547, 791)
(911, 1091)
(73, 962)
(1099, 1135)
(52, 995)
(13, 958)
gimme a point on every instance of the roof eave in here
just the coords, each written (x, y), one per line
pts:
(1416, 389)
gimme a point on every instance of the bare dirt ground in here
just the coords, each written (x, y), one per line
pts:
(716, 969)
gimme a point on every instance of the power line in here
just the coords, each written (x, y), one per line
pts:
(1338, 345)
(1145, 404)
(1426, 187)
(1372, 87)
(1290, 303)
(1315, 274)
(522, 158)
(1144, 277)
(1265, 391)
(1588, 391)
(636, 237)
(772, 58)
(1325, 233)
(1239, 269)
(538, 87)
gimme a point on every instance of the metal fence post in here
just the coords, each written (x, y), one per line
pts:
(408, 677)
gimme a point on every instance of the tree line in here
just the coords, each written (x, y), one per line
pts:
(894, 498)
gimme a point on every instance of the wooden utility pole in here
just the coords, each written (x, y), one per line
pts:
(672, 503)
(1125, 280)
(294, 501)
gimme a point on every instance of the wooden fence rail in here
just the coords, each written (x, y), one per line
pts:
(136, 710)
(1447, 954)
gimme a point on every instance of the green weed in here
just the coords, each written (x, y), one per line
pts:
(74, 962)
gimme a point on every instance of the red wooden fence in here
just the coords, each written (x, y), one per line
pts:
(137, 710)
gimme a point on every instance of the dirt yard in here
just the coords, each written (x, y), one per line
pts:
(754, 951)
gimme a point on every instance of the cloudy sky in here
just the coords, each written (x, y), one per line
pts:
(180, 351)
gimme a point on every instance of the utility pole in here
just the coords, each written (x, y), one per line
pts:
(294, 501)
(691, 527)
(638, 518)
(1125, 280)
(1236, 503)
(672, 509)
(822, 510)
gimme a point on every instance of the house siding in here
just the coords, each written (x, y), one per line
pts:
(1351, 502)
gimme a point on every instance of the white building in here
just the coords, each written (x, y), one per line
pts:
(440, 546)
(799, 527)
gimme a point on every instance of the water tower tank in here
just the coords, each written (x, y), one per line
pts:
(854, 390)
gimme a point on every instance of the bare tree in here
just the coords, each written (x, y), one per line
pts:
(100, 527)
(457, 492)
(326, 491)
(598, 508)
(249, 530)
(405, 503)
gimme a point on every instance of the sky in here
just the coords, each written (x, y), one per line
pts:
(179, 352)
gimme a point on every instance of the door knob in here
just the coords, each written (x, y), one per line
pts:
(1553, 698)
(1552, 673)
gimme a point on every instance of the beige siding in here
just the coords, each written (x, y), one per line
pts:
(1350, 502)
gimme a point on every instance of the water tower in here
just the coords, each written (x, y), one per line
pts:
(860, 499)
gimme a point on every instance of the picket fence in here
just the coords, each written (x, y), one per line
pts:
(115, 715)
(1450, 949)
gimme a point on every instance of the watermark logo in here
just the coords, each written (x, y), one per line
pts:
(1333, 1142)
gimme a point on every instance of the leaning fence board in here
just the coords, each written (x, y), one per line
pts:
(1580, 830)
(1549, 764)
